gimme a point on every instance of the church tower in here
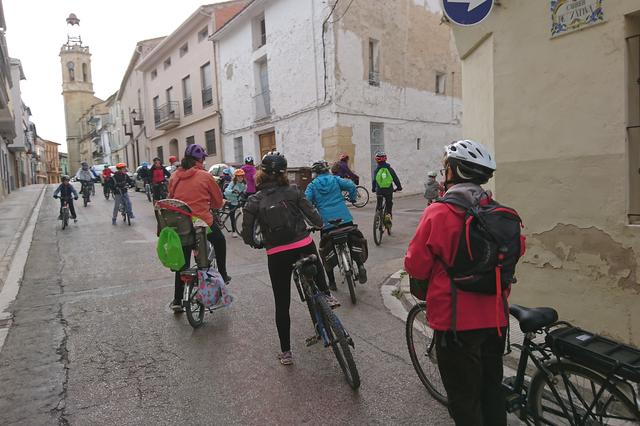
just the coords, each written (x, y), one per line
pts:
(77, 87)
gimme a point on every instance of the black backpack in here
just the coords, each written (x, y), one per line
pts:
(489, 248)
(280, 219)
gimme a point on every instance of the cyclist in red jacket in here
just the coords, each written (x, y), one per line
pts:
(469, 357)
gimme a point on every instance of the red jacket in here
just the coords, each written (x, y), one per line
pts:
(435, 244)
(198, 189)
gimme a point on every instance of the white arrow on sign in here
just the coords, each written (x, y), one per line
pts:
(471, 4)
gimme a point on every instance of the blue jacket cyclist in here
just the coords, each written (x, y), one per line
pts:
(325, 192)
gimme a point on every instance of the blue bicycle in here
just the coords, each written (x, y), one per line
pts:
(328, 327)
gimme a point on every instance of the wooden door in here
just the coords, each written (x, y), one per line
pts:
(267, 143)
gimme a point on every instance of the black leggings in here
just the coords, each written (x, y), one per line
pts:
(216, 238)
(280, 271)
(387, 194)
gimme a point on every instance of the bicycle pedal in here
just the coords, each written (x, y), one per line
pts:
(310, 341)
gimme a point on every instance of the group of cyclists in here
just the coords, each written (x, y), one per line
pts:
(279, 218)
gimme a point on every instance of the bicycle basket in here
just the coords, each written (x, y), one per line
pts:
(596, 352)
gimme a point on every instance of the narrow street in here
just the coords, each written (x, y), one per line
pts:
(94, 342)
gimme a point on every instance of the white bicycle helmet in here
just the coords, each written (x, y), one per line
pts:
(432, 174)
(470, 161)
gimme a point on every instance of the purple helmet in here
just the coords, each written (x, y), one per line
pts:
(195, 151)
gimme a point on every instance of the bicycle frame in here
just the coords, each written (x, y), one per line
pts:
(310, 293)
(517, 394)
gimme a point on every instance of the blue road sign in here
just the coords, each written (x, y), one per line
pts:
(467, 12)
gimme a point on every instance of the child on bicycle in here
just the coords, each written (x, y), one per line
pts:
(119, 184)
(384, 179)
(66, 192)
(282, 212)
(234, 193)
(159, 175)
(469, 349)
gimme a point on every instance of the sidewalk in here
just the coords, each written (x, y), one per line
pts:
(15, 212)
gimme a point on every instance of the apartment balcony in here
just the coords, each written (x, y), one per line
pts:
(167, 116)
(207, 97)
(262, 103)
(187, 106)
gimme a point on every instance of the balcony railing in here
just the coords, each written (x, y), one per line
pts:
(207, 97)
(167, 116)
(374, 78)
(187, 106)
(263, 105)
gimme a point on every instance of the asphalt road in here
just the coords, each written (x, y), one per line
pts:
(94, 342)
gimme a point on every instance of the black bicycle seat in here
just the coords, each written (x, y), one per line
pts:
(532, 319)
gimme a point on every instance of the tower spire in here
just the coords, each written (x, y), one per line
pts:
(73, 31)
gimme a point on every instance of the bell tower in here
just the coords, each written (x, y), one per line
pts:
(77, 87)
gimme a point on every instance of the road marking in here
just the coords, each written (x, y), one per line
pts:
(16, 270)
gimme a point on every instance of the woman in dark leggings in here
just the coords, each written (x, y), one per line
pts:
(280, 210)
(199, 190)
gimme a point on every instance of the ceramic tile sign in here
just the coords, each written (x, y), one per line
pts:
(572, 15)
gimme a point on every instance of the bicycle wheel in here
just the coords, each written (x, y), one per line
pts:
(349, 276)
(127, 218)
(340, 344)
(238, 216)
(147, 190)
(421, 345)
(362, 198)
(378, 228)
(85, 199)
(65, 218)
(585, 395)
(193, 308)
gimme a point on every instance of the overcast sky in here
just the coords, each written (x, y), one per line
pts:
(36, 29)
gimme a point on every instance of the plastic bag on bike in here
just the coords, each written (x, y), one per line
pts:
(212, 290)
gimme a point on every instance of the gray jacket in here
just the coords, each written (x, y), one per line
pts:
(431, 189)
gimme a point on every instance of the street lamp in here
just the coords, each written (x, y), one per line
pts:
(134, 116)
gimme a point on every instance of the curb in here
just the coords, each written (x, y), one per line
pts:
(21, 244)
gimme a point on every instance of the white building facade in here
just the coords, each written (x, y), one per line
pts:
(314, 82)
(178, 86)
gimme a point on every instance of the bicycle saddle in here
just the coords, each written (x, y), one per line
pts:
(532, 319)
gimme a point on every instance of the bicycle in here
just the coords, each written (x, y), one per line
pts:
(362, 197)
(224, 214)
(380, 225)
(122, 207)
(327, 325)
(85, 190)
(177, 214)
(159, 191)
(579, 378)
(147, 191)
(340, 240)
(65, 214)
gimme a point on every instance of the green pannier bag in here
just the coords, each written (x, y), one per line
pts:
(169, 249)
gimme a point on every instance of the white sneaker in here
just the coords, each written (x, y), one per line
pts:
(234, 235)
